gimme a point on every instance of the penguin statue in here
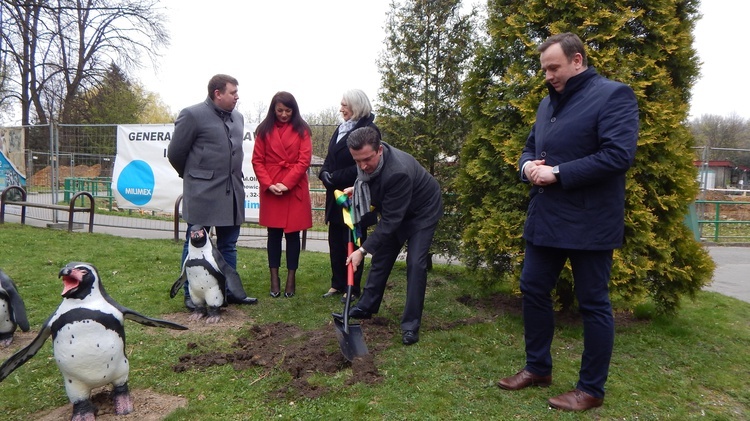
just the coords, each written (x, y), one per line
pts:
(212, 282)
(88, 341)
(12, 311)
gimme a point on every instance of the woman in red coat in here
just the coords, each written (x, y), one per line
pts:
(281, 158)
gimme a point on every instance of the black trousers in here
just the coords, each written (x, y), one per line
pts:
(293, 246)
(339, 236)
(416, 275)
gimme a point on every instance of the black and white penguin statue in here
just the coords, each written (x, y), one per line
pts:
(88, 341)
(212, 282)
(12, 310)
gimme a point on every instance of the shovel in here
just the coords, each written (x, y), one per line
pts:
(350, 338)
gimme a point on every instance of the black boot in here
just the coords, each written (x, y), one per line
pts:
(275, 283)
(291, 284)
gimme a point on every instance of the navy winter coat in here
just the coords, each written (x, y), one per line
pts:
(590, 131)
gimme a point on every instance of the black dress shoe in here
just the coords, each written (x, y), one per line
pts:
(357, 313)
(410, 337)
(189, 304)
(247, 300)
(354, 313)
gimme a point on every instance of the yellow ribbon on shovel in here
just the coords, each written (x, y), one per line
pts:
(343, 200)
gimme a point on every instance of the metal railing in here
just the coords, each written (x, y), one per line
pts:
(715, 214)
(99, 187)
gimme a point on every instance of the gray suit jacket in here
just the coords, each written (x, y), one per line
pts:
(206, 151)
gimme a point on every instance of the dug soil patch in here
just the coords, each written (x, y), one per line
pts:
(301, 353)
(282, 346)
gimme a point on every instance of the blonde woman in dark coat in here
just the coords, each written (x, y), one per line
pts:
(339, 172)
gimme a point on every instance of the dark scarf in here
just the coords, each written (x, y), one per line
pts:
(223, 114)
(361, 197)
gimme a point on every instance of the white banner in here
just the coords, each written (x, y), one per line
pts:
(144, 179)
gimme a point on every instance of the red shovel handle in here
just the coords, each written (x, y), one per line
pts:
(350, 267)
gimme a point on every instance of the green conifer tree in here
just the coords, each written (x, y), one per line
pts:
(428, 44)
(113, 101)
(647, 45)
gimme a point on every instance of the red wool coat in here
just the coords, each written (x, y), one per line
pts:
(284, 157)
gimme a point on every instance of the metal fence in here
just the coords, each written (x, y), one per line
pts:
(729, 222)
(59, 152)
(722, 209)
(56, 153)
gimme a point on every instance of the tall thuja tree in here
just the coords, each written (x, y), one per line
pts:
(647, 45)
(428, 44)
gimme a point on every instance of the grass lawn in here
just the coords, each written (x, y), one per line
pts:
(692, 365)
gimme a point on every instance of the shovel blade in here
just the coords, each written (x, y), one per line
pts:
(352, 344)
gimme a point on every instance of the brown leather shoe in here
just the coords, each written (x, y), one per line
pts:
(575, 400)
(523, 379)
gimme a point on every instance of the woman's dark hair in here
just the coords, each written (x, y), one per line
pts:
(298, 123)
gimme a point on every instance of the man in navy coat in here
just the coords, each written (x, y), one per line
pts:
(410, 205)
(575, 158)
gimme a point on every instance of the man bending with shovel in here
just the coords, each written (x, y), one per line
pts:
(393, 184)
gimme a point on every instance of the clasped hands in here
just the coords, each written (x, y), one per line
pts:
(538, 173)
(278, 189)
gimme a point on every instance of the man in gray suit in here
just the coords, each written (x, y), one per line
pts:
(206, 152)
(410, 205)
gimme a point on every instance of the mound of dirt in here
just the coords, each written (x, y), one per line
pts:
(301, 353)
(280, 345)
(43, 177)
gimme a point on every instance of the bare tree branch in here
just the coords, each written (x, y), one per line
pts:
(60, 47)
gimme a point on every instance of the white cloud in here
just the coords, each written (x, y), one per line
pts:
(318, 49)
(314, 49)
(719, 40)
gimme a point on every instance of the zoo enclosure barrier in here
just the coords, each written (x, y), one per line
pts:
(63, 159)
(7, 198)
(728, 220)
(722, 208)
